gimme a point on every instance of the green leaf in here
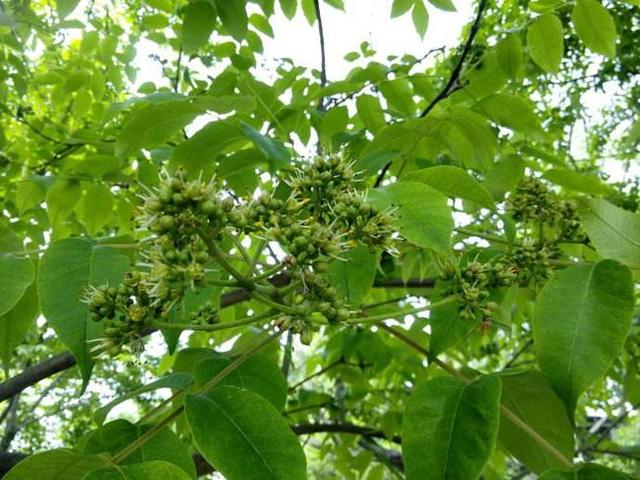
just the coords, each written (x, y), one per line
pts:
(400, 7)
(29, 194)
(176, 381)
(61, 199)
(595, 27)
(578, 182)
(15, 324)
(446, 5)
(449, 428)
(259, 374)
(154, 124)
(399, 95)
(353, 273)
(614, 232)
(509, 53)
(16, 270)
(289, 8)
(152, 470)
(165, 445)
(207, 143)
(66, 270)
(447, 328)
(504, 175)
(511, 111)
(545, 42)
(308, 10)
(454, 182)
(581, 320)
(333, 122)
(261, 24)
(586, 472)
(370, 112)
(275, 151)
(96, 208)
(164, 5)
(422, 215)
(199, 21)
(66, 7)
(420, 17)
(233, 15)
(229, 424)
(531, 398)
(56, 465)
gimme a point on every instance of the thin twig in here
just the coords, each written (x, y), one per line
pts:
(323, 57)
(454, 78)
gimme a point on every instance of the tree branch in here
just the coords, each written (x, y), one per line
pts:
(323, 57)
(454, 78)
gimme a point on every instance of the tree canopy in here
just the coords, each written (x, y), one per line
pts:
(251, 269)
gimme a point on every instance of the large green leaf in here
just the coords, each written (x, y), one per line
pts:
(449, 428)
(447, 328)
(16, 270)
(353, 273)
(151, 470)
(595, 27)
(512, 111)
(421, 213)
(243, 436)
(234, 17)
(179, 381)
(259, 374)
(581, 320)
(545, 42)
(56, 465)
(370, 112)
(276, 153)
(586, 472)
(154, 124)
(66, 270)
(208, 142)
(454, 182)
(165, 445)
(199, 21)
(96, 208)
(614, 232)
(15, 324)
(578, 182)
(530, 397)
(509, 53)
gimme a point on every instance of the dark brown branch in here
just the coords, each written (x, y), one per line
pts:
(323, 57)
(454, 78)
(32, 375)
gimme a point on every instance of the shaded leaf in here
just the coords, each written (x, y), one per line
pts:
(545, 42)
(421, 215)
(581, 320)
(230, 424)
(449, 428)
(66, 270)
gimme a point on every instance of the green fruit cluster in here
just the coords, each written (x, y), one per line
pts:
(473, 284)
(533, 202)
(124, 310)
(532, 264)
(323, 179)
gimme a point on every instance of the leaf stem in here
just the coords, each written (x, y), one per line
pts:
(385, 316)
(216, 326)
